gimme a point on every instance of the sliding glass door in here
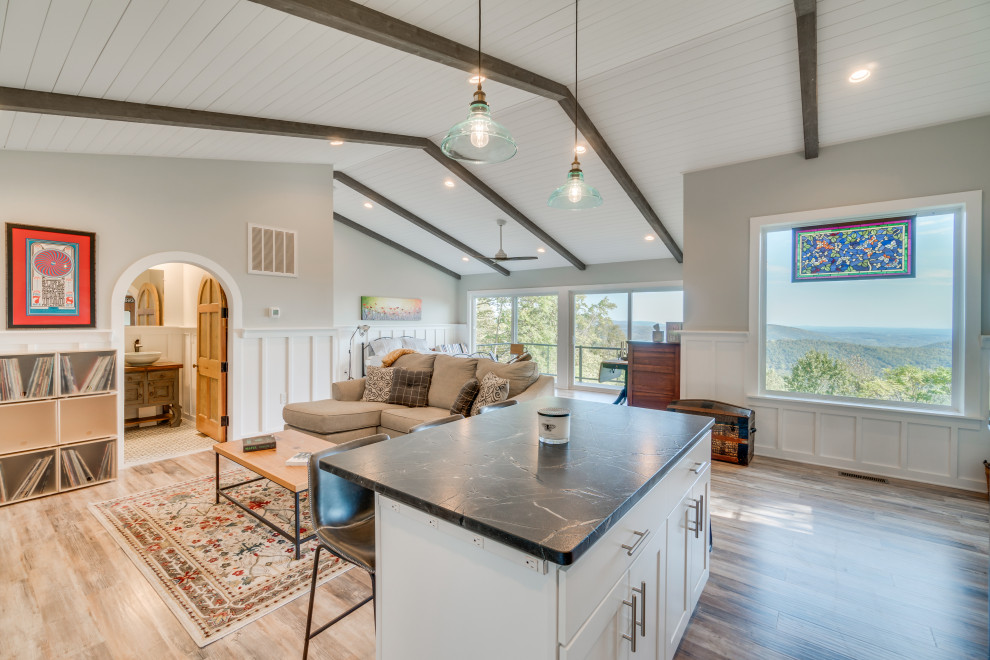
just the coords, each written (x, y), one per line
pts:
(603, 322)
(500, 321)
(600, 326)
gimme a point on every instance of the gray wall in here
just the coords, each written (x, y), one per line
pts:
(139, 206)
(628, 272)
(719, 202)
(364, 267)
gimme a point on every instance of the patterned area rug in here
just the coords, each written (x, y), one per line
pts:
(215, 566)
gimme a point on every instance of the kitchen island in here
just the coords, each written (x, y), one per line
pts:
(491, 545)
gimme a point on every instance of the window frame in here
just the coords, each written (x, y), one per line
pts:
(966, 303)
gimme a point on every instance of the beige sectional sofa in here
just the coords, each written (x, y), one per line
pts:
(346, 417)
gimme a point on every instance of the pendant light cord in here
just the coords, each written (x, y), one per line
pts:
(479, 45)
(575, 77)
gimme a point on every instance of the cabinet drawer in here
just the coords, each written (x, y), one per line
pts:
(655, 362)
(161, 375)
(582, 584)
(130, 379)
(160, 394)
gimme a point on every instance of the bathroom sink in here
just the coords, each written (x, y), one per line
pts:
(142, 359)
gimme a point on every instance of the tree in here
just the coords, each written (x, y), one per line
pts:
(817, 373)
(593, 326)
(909, 383)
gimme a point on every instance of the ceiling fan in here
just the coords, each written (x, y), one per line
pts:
(501, 255)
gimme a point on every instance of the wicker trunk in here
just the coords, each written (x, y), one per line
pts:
(733, 434)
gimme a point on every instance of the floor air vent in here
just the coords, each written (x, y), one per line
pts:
(865, 477)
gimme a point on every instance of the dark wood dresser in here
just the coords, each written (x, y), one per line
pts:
(154, 385)
(654, 374)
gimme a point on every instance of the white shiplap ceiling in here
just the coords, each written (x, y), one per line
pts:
(673, 86)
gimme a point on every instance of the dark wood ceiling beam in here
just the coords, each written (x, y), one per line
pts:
(347, 222)
(807, 34)
(360, 21)
(67, 105)
(468, 177)
(619, 173)
(405, 214)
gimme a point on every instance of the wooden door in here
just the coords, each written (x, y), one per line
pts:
(211, 361)
(149, 305)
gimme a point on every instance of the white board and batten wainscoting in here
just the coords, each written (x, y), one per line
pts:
(919, 446)
(434, 334)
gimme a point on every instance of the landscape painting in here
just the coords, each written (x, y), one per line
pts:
(378, 308)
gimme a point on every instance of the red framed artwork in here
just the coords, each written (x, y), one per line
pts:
(50, 278)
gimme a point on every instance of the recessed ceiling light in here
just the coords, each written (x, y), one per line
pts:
(650, 237)
(541, 250)
(474, 79)
(368, 205)
(336, 143)
(580, 149)
(449, 183)
(465, 259)
(859, 75)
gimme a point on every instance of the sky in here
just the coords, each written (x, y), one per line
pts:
(924, 301)
(649, 306)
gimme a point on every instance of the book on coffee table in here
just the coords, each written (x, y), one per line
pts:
(300, 459)
(259, 443)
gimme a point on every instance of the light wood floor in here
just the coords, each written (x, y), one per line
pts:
(806, 565)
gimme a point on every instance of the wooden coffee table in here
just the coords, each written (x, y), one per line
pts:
(270, 464)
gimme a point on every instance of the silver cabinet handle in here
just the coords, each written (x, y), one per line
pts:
(696, 505)
(642, 611)
(632, 628)
(630, 549)
(703, 514)
(700, 467)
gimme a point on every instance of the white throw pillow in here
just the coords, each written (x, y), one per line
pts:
(493, 389)
(385, 345)
(415, 343)
(378, 384)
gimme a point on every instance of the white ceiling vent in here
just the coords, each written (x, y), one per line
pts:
(271, 251)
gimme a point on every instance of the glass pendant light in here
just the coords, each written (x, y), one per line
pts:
(576, 194)
(479, 138)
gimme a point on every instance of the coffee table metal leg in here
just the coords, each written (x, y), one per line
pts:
(216, 481)
(297, 524)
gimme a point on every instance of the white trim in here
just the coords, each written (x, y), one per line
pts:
(966, 304)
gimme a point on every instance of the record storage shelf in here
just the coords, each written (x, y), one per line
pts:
(58, 422)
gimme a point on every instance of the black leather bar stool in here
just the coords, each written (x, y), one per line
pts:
(492, 407)
(344, 519)
(435, 422)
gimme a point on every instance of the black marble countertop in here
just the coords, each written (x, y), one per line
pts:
(491, 475)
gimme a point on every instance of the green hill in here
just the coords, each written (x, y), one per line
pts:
(781, 354)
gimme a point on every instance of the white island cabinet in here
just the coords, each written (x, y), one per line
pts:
(447, 593)
(491, 546)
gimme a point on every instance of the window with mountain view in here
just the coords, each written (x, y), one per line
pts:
(879, 339)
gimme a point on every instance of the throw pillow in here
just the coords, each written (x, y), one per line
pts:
(493, 389)
(464, 399)
(410, 387)
(378, 384)
(395, 355)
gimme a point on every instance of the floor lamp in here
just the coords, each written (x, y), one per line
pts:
(361, 330)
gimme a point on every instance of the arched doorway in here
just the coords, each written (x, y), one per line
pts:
(225, 286)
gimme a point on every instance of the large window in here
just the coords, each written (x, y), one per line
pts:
(882, 339)
(603, 322)
(500, 321)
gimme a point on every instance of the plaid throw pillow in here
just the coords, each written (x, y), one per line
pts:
(493, 389)
(410, 387)
(378, 384)
(462, 404)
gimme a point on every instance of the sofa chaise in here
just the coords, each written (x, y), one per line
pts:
(346, 417)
